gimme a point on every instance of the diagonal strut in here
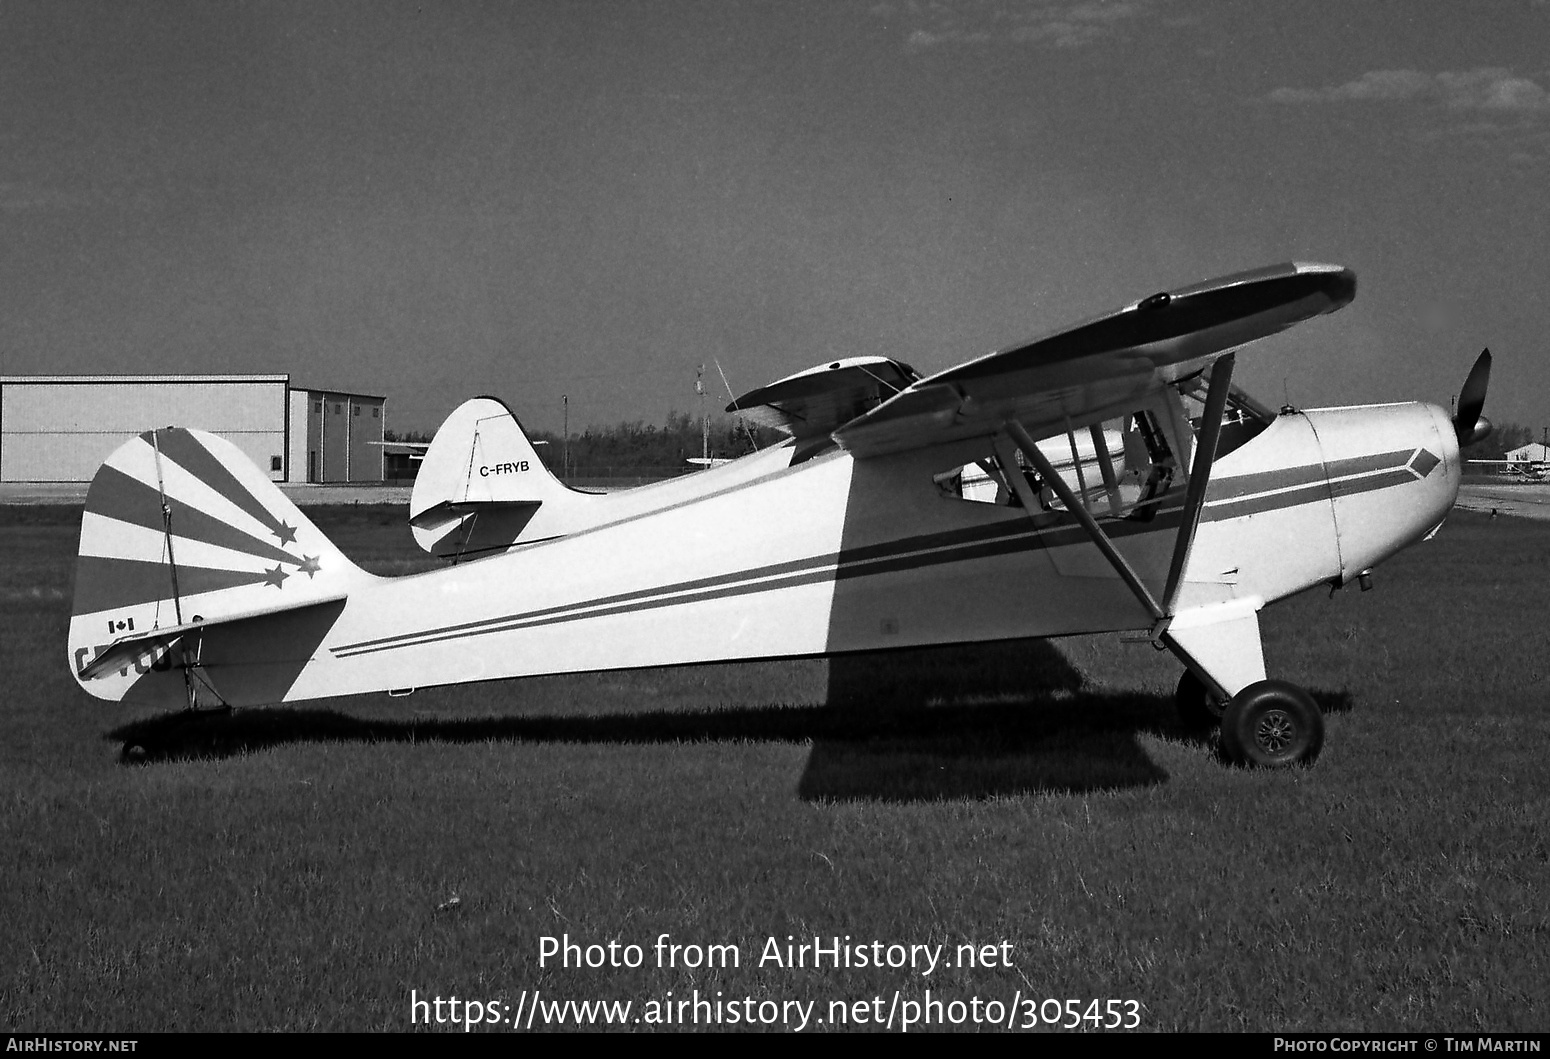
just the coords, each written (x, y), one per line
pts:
(1199, 474)
(1047, 471)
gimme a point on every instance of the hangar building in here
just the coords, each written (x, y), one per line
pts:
(59, 428)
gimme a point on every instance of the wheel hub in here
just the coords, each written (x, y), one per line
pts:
(1275, 732)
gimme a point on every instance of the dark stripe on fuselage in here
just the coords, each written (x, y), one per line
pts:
(1255, 505)
(797, 572)
(1368, 483)
(1400, 467)
(933, 549)
(1307, 474)
(699, 586)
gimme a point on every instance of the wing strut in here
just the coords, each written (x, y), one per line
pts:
(1199, 474)
(1199, 478)
(1106, 468)
(1079, 510)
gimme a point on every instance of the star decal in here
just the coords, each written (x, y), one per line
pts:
(275, 577)
(286, 533)
(309, 566)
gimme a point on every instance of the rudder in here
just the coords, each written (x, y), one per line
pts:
(182, 533)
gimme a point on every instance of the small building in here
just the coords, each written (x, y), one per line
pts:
(1533, 452)
(59, 428)
(336, 436)
(401, 461)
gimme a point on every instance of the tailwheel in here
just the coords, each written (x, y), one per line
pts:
(1199, 708)
(1273, 724)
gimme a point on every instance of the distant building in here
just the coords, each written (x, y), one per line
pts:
(401, 461)
(59, 428)
(1531, 453)
(336, 436)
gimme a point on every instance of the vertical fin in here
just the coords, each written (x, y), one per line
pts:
(481, 483)
(179, 522)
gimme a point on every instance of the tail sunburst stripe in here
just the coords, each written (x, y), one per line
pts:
(104, 584)
(121, 497)
(185, 450)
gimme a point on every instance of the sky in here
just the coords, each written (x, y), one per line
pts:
(546, 200)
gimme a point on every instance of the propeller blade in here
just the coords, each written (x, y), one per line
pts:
(1467, 420)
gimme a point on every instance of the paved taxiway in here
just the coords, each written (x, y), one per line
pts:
(1524, 501)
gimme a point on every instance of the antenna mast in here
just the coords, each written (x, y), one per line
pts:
(699, 388)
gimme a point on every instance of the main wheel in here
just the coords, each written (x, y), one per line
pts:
(1272, 723)
(1199, 709)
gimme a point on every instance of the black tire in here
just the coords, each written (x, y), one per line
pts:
(1272, 724)
(1199, 709)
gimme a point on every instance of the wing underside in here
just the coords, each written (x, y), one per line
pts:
(1082, 374)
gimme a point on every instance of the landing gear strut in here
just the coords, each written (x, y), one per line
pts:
(1272, 723)
(1269, 722)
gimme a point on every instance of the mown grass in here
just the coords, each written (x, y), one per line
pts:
(295, 868)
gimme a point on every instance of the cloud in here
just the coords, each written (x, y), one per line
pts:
(939, 23)
(922, 39)
(1489, 89)
(1485, 106)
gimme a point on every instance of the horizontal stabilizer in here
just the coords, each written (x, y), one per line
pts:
(448, 511)
(152, 643)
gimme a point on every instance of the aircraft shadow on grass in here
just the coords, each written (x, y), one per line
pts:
(961, 722)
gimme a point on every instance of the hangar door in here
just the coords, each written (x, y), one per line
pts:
(61, 428)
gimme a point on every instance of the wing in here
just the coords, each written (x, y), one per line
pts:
(1100, 364)
(813, 403)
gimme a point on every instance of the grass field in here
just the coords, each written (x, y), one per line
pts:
(308, 868)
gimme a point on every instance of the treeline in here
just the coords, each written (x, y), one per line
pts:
(1503, 439)
(644, 450)
(639, 449)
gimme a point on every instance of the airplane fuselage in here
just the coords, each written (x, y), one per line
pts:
(838, 554)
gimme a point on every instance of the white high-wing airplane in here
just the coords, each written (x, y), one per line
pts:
(199, 583)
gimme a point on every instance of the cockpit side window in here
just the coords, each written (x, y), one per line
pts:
(1118, 468)
(1244, 419)
(1124, 467)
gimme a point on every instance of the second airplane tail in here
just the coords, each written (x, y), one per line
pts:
(481, 484)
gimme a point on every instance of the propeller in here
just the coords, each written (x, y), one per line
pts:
(1468, 423)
